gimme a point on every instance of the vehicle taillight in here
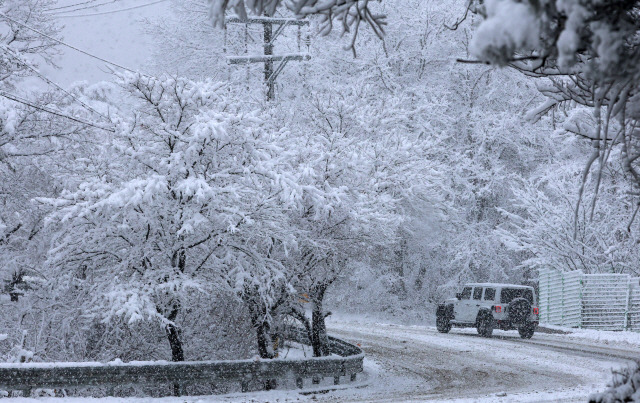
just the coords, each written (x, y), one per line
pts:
(535, 310)
(498, 308)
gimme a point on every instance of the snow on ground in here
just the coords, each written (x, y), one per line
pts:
(466, 367)
(411, 363)
(294, 351)
(618, 338)
(632, 339)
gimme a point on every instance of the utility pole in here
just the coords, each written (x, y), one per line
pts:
(267, 57)
(268, 64)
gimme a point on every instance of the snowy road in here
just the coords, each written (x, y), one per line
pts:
(418, 364)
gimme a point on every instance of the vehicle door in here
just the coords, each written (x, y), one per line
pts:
(476, 301)
(489, 297)
(463, 306)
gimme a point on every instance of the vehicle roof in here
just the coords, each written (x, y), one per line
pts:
(496, 285)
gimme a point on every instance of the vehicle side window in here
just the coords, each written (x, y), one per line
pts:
(477, 293)
(466, 293)
(489, 294)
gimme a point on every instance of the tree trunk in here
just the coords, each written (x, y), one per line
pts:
(260, 322)
(265, 343)
(175, 342)
(173, 334)
(179, 260)
(419, 283)
(401, 256)
(319, 339)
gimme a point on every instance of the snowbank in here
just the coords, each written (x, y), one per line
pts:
(600, 336)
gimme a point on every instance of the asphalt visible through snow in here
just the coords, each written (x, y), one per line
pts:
(409, 363)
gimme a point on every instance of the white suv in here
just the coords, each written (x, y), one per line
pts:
(486, 306)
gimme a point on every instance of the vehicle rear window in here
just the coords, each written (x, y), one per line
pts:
(477, 293)
(489, 294)
(509, 294)
(466, 293)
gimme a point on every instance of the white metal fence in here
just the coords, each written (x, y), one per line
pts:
(591, 301)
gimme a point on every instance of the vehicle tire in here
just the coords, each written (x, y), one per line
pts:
(484, 324)
(526, 331)
(444, 314)
(442, 324)
(519, 311)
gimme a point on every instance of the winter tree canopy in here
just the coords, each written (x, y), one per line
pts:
(588, 53)
(176, 213)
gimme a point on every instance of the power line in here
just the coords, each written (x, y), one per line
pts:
(52, 111)
(111, 11)
(34, 70)
(84, 8)
(71, 6)
(66, 44)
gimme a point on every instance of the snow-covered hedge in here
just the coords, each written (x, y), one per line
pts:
(624, 387)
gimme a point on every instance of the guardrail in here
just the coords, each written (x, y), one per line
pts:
(61, 375)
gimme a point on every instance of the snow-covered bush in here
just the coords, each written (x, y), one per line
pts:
(624, 387)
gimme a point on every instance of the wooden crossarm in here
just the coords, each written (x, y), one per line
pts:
(266, 20)
(266, 58)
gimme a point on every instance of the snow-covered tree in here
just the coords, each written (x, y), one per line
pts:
(28, 136)
(190, 193)
(22, 47)
(188, 45)
(366, 154)
(25, 32)
(541, 222)
(586, 51)
(382, 176)
(348, 14)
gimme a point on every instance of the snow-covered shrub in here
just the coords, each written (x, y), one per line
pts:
(624, 387)
(217, 327)
(213, 327)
